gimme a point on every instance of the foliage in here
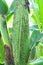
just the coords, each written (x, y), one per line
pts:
(27, 47)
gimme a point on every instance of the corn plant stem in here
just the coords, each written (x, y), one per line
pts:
(7, 44)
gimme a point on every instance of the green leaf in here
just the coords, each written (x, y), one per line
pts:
(1, 51)
(32, 53)
(33, 27)
(4, 32)
(10, 30)
(36, 14)
(9, 15)
(37, 62)
(40, 4)
(35, 37)
(3, 7)
(12, 5)
(39, 13)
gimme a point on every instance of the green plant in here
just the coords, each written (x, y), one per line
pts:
(19, 39)
(19, 46)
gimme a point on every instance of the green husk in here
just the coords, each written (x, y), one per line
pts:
(20, 34)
